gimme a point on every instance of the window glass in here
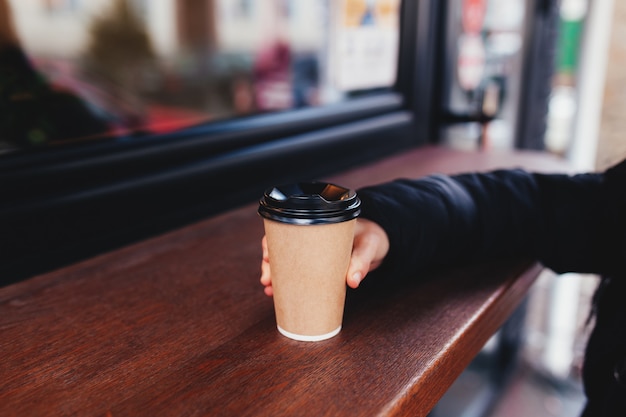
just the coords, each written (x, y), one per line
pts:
(73, 71)
(483, 72)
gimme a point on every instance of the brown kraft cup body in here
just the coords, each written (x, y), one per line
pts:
(309, 256)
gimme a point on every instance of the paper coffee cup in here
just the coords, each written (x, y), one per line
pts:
(310, 231)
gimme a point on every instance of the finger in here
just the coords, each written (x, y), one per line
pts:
(363, 256)
(266, 257)
(266, 276)
(266, 279)
(265, 266)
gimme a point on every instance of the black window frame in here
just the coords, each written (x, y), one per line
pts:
(65, 204)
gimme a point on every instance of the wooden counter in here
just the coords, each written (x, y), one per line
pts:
(179, 325)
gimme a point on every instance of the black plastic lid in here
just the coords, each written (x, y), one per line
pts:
(308, 203)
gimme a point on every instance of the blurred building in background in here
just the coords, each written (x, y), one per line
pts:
(161, 65)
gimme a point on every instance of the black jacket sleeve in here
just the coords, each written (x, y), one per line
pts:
(570, 223)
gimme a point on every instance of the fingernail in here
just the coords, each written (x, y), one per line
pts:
(357, 277)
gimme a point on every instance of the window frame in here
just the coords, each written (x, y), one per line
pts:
(65, 204)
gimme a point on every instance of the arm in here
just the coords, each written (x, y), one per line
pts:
(570, 223)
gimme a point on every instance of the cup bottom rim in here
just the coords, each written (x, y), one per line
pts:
(308, 338)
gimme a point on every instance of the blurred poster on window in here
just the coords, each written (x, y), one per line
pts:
(365, 46)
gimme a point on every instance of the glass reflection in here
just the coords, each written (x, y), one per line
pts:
(82, 70)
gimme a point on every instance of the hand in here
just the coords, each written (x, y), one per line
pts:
(370, 247)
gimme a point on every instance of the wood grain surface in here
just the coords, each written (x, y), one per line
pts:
(179, 325)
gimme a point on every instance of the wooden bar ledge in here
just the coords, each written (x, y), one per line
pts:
(179, 325)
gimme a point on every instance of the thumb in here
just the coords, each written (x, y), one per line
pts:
(364, 254)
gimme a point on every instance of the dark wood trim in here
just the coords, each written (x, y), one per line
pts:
(69, 218)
